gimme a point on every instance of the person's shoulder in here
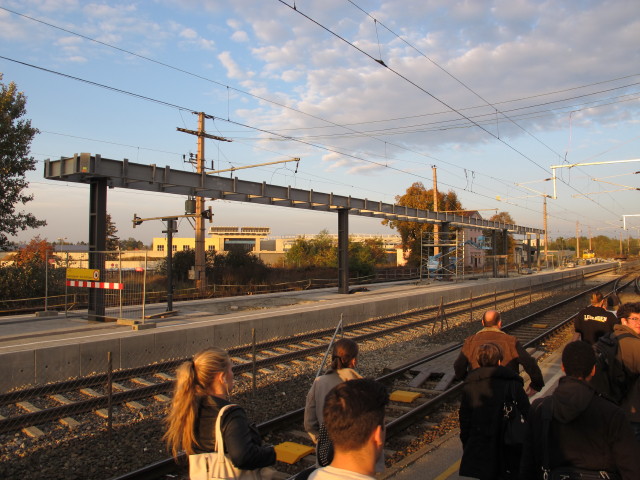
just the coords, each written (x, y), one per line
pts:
(606, 408)
(333, 473)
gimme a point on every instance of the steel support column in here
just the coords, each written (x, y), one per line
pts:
(494, 250)
(97, 243)
(505, 251)
(343, 250)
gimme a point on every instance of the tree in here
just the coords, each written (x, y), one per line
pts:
(16, 135)
(131, 244)
(502, 217)
(36, 252)
(113, 241)
(25, 278)
(411, 233)
(319, 251)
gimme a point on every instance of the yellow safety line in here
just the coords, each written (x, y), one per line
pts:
(449, 471)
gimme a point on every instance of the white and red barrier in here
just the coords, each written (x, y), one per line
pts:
(87, 284)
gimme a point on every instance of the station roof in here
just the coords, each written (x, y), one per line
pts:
(84, 168)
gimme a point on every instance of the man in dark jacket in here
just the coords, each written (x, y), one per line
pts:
(594, 321)
(628, 333)
(513, 353)
(583, 430)
(485, 391)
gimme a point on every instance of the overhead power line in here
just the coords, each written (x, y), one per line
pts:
(434, 97)
(228, 87)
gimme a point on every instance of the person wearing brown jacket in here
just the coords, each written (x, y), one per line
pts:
(513, 352)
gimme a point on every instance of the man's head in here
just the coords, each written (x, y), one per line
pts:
(491, 318)
(579, 360)
(597, 298)
(629, 315)
(354, 415)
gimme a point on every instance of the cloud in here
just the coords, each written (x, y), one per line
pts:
(189, 34)
(234, 71)
(240, 36)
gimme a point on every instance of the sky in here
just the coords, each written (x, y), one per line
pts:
(369, 94)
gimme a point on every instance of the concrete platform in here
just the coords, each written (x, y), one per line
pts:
(37, 350)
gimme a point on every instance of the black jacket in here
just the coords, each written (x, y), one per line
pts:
(484, 392)
(586, 431)
(242, 441)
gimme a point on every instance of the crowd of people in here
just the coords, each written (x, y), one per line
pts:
(573, 433)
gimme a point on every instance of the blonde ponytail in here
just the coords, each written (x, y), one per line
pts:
(193, 379)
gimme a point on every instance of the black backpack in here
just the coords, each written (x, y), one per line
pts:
(612, 379)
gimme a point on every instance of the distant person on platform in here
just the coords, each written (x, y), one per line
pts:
(354, 418)
(594, 321)
(513, 353)
(575, 433)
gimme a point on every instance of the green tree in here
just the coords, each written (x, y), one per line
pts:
(131, 244)
(502, 217)
(113, 241)
(16, 135)
(364, 256)
(411, 233)
(319, 251)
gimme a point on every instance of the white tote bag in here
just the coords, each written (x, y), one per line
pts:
(216, 465)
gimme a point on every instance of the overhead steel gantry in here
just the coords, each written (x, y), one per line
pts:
(102, 173)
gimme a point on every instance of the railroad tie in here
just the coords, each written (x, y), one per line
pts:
(445, 381)
(30, 431)
(146, 383)
(132, 404)
(300, 434)
(102, 412)
(68, 421)
(165, 376)
(422, 377)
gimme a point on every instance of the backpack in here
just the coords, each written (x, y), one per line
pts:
(612, 379)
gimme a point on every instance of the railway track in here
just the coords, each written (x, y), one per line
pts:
(430, 378)
(31, 409)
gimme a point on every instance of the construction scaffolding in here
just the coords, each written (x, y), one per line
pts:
(442, 255)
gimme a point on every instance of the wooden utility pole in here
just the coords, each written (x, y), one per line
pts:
(544, 225)
(199, 270)
(436, 226)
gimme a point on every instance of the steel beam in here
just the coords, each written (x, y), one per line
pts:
(84, 167)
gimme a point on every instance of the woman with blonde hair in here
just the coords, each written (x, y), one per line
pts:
(202, 387)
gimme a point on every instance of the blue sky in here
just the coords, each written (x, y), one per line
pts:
(493, 93)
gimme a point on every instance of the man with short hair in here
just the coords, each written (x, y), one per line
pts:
(354, 418)
(594, 321)
(513, 352)
(628, 335)
(574, 428)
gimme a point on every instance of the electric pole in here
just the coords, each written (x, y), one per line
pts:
(544, 224)
(436, 226)
(577, 240)
(199, 270)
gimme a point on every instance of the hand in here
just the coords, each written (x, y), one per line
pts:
(530, 391)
